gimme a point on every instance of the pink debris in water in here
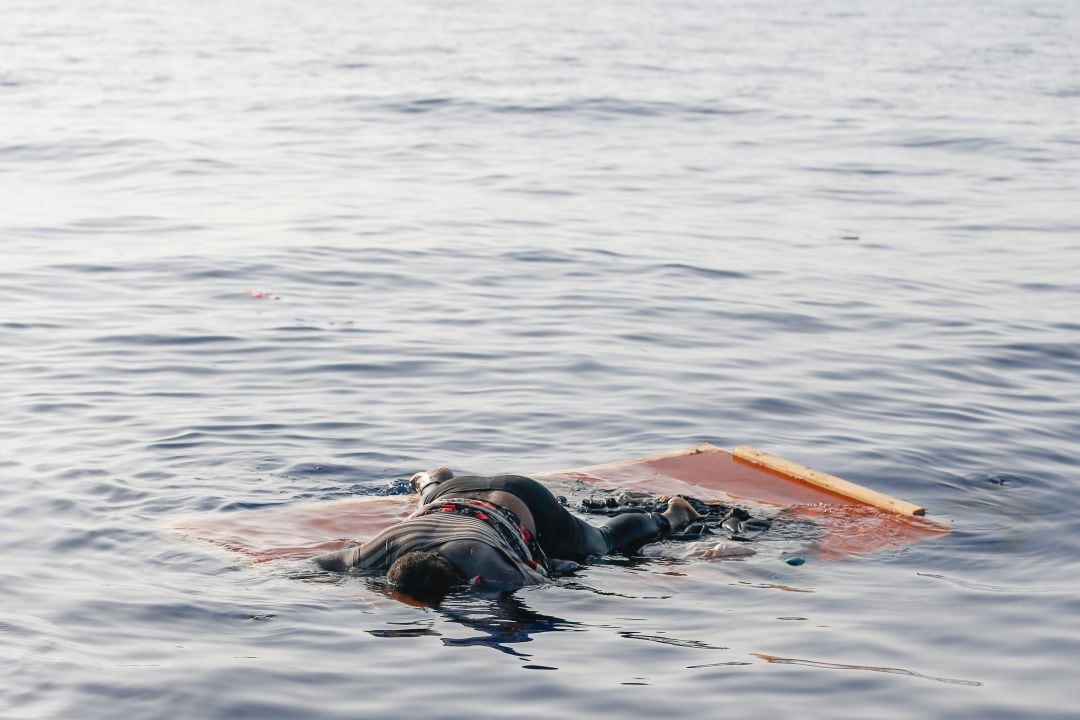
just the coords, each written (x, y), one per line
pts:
(263, 295)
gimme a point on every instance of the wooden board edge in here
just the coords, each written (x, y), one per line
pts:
(846, 488)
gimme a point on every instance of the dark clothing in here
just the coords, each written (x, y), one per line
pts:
(423, 533)
(559, 533)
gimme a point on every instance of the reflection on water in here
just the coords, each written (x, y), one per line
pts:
(408, 632)
(502, 620)
(776, 586)
(995, 588)
(664, 640)
(840, 666)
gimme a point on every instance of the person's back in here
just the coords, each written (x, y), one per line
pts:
(498, 530)
(557, 532)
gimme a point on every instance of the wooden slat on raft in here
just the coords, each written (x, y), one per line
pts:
(828, 482)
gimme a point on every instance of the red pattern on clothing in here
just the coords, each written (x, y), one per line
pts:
(528, 551)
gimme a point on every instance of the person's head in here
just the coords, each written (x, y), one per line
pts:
(422, 575)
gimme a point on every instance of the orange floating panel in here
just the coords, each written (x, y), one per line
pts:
(704, 472)
(297, 531)
(857, 529)
(853, 518)
(850, 518)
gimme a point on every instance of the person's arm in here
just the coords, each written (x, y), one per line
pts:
(339, 560)
(368, 556)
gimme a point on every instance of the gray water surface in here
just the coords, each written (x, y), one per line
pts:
(516, 237)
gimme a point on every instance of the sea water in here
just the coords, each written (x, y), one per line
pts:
(259, 254)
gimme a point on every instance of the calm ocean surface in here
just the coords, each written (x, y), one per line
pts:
(516, 237)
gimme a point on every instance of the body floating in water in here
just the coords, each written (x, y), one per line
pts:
(503, 531)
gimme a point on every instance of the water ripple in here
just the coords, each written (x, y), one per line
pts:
(295, 256)
(840, 666)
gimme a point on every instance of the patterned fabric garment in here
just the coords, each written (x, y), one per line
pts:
(426, 533)
(509, 527)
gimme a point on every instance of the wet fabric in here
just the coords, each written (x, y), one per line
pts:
(420, 533)
(730, 521)
(502, 520)
(559, 533)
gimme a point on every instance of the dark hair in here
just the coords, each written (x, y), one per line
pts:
(422, 575)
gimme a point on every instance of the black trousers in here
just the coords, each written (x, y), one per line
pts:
(560, 534)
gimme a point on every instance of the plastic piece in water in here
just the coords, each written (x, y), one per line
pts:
(794, 561)
(706, 549)
(728, 549)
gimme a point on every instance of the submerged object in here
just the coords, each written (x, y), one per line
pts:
(849, 519)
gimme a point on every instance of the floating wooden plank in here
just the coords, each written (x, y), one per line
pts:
(828, 482)
(849, 523)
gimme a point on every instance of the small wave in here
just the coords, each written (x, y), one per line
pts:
(984, 587)
(539, 256)
(308, 469)
(699, 271)
(863, 170)
(15, 325)
(1035, 355)
(664, 640)
(781, 407)
(595, 106)
(965, 144)
(115, 225)
(871, 668)
(70, 149)
(1069, 92)
(154, 339)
